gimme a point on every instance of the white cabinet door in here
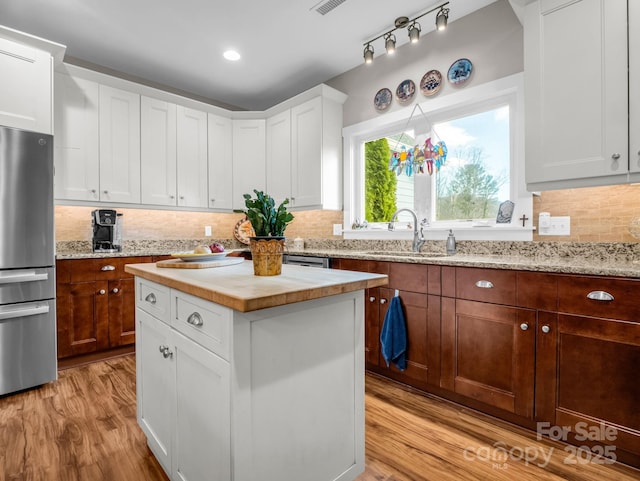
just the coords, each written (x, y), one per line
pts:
(576, 91)
(25, 87)
(306, 158)
(155, 384)
(76, 154)
(248, 159)
(192, 158)
(119, 145)
(220, 155)
(157, 152)
(278, 158)
(634, 88)
(202, 414)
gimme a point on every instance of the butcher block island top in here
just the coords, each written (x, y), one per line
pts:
(236, 287)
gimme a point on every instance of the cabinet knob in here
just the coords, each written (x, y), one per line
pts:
(484, 284)
(172, 197)
(524, 326)
(108, 268)
(383, 301)
(165, 351)
(213, 200)
(182, 197)
(151, 298)
(115, 290)
(93, 191)
(615, 156)
(195, 319)
(546, 329)
(105, 191)
(372, 299)
(102, 292)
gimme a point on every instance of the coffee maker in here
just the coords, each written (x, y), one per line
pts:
(107, 230)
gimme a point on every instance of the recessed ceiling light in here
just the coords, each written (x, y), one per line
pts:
(231, 55)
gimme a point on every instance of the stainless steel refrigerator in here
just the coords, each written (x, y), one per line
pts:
(27, 263)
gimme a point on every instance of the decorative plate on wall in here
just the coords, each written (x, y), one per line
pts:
(460, 71)
(431, 82)
(243, 230)
(405, 91)
(382, 100)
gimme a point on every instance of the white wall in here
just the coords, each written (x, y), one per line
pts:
(490, 37)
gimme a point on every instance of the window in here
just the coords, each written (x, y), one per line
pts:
(483, 133)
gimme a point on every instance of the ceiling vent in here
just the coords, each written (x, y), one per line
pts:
(325, 7)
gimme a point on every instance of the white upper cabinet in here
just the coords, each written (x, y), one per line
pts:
(278, 156)
(634, 90)
(248, 159)
(192, 158)
(158, 152)
(576, 93)
(304, 152)
(119, 114)
(26, 81)
(76, 154)
(220, 155)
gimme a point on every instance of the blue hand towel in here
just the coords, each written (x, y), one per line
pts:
(393, 337)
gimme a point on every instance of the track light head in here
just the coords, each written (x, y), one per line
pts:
(442, 18)
(414, 32)
(390, 43)
(368, 53)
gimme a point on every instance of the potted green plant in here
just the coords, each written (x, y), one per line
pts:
(269, 224)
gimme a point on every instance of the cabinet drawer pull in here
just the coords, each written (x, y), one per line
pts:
(546, 329)
(600, 296)
(615, 156)
(484, 284)
(524, 326)
(108, 268)
(195, 319)
(151, 298)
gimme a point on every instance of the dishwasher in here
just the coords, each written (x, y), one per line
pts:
(309, 261)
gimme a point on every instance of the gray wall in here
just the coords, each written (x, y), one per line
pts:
(490, 37)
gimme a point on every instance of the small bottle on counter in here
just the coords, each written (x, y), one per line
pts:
(451, 243)
(298, 244)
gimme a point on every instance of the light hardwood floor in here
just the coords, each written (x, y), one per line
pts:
(83, 428)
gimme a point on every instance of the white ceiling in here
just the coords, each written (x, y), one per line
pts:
(286, 46)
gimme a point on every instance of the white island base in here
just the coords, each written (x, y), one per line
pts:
(275, 394)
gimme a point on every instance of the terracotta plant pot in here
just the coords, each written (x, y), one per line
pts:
(266, 253)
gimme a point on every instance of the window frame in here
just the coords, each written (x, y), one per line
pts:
(508, 90)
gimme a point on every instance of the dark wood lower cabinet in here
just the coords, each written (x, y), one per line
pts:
(95, 307)
(488, 354)
(595, 391)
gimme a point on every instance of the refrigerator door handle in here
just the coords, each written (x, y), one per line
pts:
(24, 311)
(13, 277)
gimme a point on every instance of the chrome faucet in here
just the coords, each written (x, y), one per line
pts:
(418, 237)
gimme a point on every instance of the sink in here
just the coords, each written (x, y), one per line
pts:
(405, 254)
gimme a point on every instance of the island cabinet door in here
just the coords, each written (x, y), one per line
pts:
(488, 354)
(155, 385)
(122, 322)
(596, 385)
(202, 414)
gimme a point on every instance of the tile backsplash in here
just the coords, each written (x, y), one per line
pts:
(74, 223)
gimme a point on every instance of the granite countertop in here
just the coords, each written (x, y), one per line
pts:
(236, 286)
(605, 259)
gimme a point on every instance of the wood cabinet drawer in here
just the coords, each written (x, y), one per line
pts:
(486, 285)
(154, 299)
(600, 297)
(408, 277)
(102, 269)
(205, 323)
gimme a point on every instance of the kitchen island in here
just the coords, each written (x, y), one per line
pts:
(250, 378)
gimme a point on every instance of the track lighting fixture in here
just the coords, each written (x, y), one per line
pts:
(368, 53)
(414, 32)
(413, 29)
(390, 43)
(441, 18)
